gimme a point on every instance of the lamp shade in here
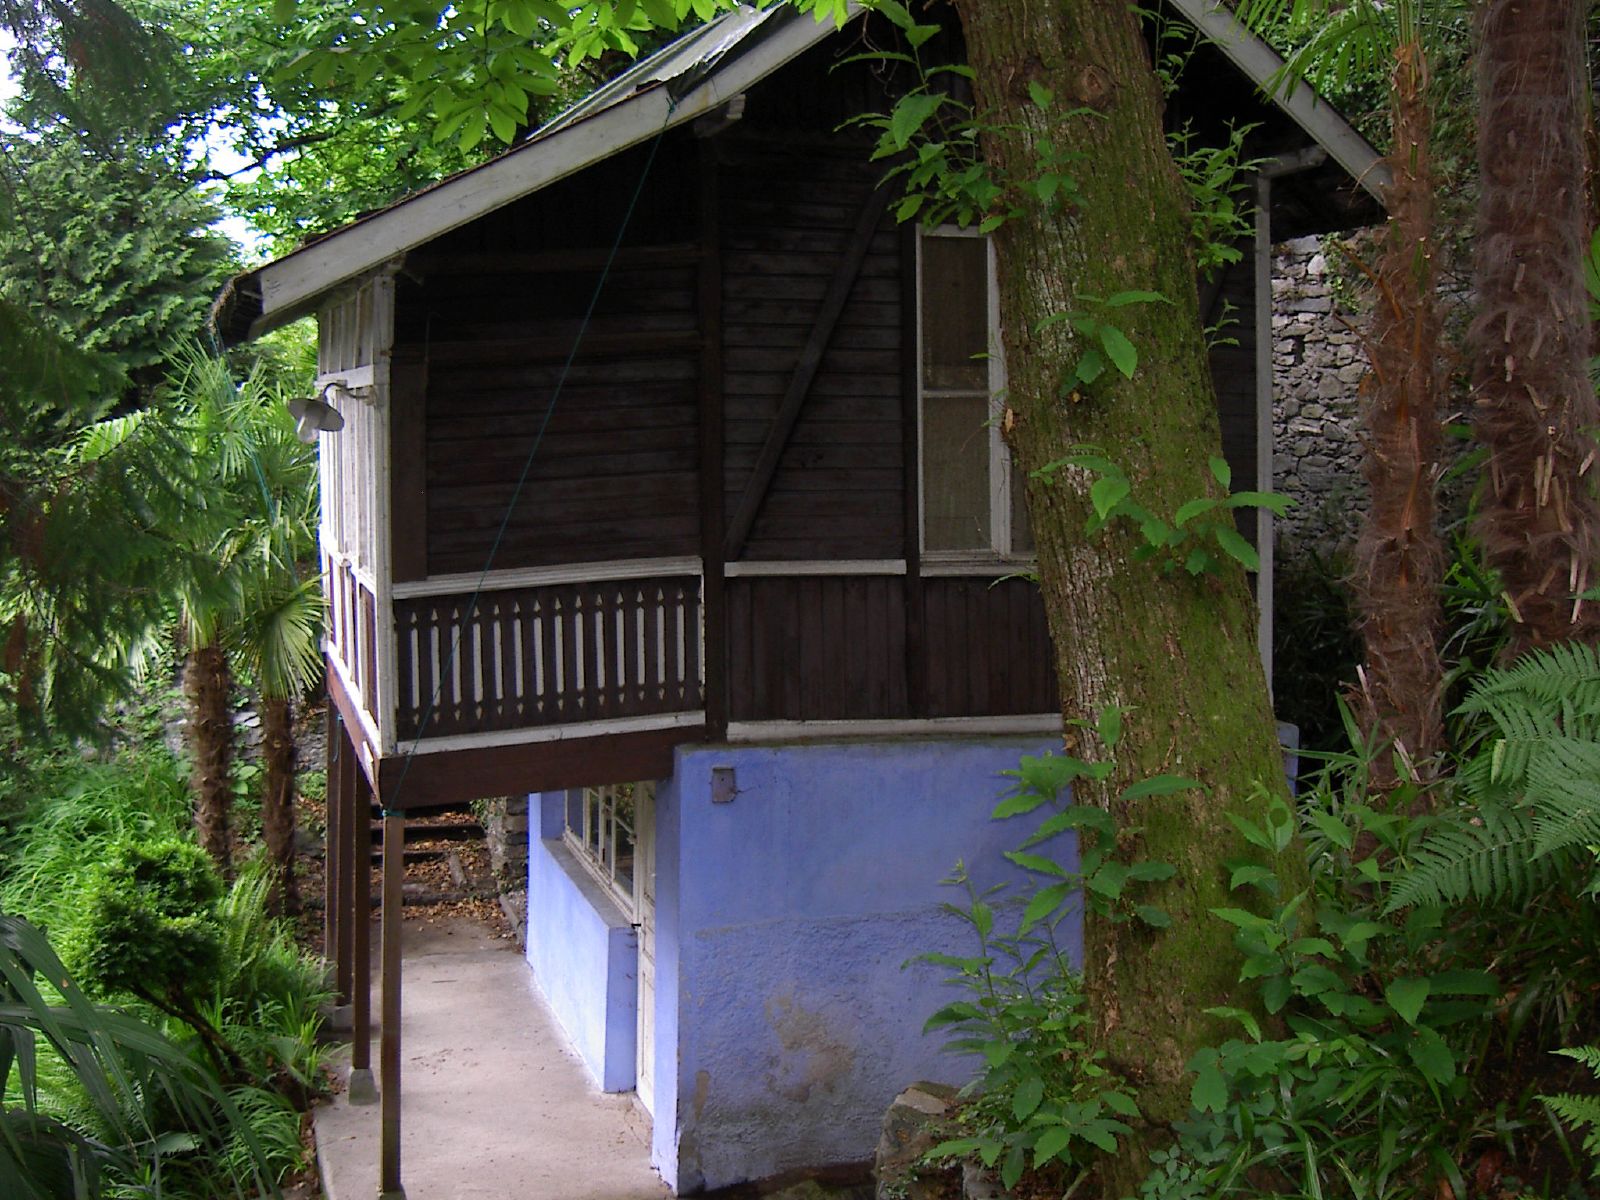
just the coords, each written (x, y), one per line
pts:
(314, 415)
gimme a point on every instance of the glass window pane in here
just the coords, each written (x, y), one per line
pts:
(955, 472)
(955, 312)
(1021, 527)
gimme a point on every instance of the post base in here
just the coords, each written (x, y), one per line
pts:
(361, 1087)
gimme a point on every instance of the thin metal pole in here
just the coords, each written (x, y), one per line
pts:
(394, 836)
(362, 1089)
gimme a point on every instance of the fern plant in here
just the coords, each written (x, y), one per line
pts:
(1530, 812)
(1581, 1112)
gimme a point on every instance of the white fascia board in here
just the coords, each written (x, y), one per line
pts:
(1310, 111)
(291, 284)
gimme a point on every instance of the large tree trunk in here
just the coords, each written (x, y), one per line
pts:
(1399, 556)
(208, 684)
(277, 800)
(1536, 411)
(1177, 653)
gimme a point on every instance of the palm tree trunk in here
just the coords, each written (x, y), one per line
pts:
(277, 800)
(1539, 522)
(1399, 559)
(208, 684)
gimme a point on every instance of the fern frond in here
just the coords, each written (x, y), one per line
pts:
(1581, 1112)
(1492, 856)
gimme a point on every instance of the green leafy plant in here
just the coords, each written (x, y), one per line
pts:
(1041, 1097)
(126, 1069)
(1581, 1112)
(1530, 795)
(1350, 1077)
(1198, 537)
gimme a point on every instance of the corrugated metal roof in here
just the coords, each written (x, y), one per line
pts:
(689, 56)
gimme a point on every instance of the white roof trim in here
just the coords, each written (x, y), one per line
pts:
(291, 285)
(1310, 111)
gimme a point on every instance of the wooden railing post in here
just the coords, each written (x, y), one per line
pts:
(394, 837)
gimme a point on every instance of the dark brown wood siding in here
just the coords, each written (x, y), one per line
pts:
(988, 648)
(813, 648)
(787, 216)
(494, 311)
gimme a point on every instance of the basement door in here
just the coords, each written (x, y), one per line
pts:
(644, 834)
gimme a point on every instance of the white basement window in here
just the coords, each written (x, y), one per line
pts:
(601, 830)
(972, 500)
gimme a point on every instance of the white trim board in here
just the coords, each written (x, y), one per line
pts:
(519, 577)
(788, 731)
(750, 569)
(551, 733)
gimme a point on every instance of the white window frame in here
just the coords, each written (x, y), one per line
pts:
(999, 551)
(593, 841)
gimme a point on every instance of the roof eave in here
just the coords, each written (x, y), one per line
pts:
(292, 286)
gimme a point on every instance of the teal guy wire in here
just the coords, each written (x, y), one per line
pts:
(527, 466)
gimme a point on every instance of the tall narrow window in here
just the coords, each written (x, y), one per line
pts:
(971, 497)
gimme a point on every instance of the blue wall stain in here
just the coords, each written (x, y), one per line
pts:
(583, 951)
(785, 1019)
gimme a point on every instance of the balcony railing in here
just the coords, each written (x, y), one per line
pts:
(531, 655)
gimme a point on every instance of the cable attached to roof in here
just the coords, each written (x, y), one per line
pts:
(527, 466)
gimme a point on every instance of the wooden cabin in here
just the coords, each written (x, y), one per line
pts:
(667, 456)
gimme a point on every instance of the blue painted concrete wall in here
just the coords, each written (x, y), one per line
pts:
(785, 1019)
(583, 951)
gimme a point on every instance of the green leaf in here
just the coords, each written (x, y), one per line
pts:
(1090, 367)
(1043, 903)
(1406, 997)
(1051, 1143)
(1161, 785)
(1221, 471)
(956, 1148)
(1210, 1090)
(1192, 509)
(1120, 1102)
(1039, 94)
(1275, 993)
(1241, 919)
(1036, 862)
(1156, 918)
(1109, 725)
(1108, 881)
(1332, 828)
(910, 115)
(1105, 494)
(1119, 350)
(1432, 1056)
(1253, 875)
(1134, 296)
(1022, 802)
(1016, 1162)
(1151, 872)
(1237, 548)
(1027, 1096)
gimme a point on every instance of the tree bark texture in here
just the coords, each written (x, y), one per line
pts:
(208, 685)
(1535, 410)
(1178, 653)
(277, 800)
(1399, 556)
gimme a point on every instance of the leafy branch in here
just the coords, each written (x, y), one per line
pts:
(1200, 536)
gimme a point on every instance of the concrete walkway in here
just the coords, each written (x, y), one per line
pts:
(495, 1104)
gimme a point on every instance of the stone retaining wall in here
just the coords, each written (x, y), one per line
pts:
(1317, 364)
